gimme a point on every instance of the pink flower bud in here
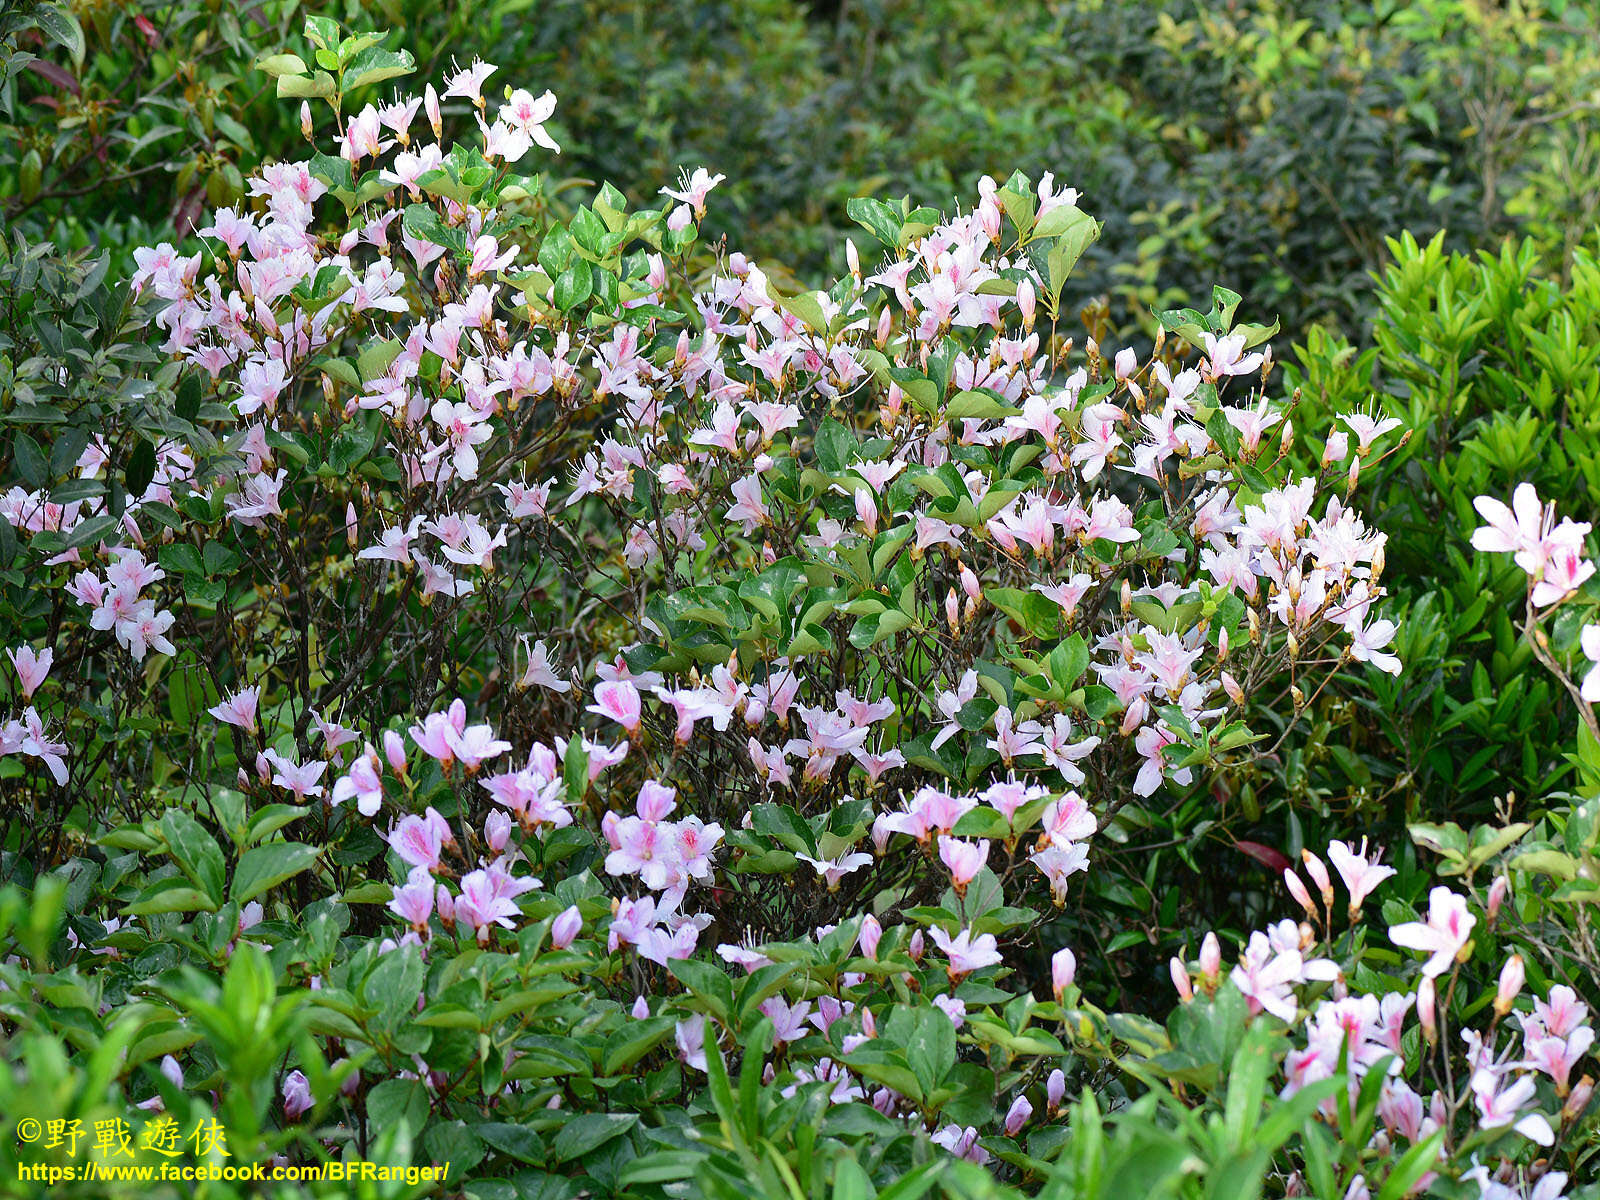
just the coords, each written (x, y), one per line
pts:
(1055, 1089)
(1319, 875)
(1512, 976)
(1297, 889)
(394, 749)
(1063, 969)
(1027, 302)
(306, 127)
(1578, 1100)
(1498, 891)
(969, 583)
(430, 105)
(445, 905)
(1018, 1116)
(1230, 685)
(1425, 1010)
(1180, 979)
(296, 1095)
(871, 935)
(497, 830)
(1211, 958)
(914, 946)
(851, 257)
(565, 927)
(1125, 363)
(641, 1008)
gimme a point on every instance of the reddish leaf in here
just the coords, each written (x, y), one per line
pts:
(57, 75)
(1269, 858)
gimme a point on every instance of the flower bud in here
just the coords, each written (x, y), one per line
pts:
(1425, 1010)
(1018, 1116)
(871, 935)
(351, 525)
(852, 258)
(1319, 876)
(952, 612)
(1497, 895)
(1127, 598)
(1336, 449)
(1055, 1089)
(1578, 1100)
(914, 946)
(394, 749)
(430, 105)
(306, 129)
(1063, 969)
(1027, 303)
(1211, 958)
(1180, 979)
(1512, 976)
(566, 927)
(1230, 685)
(1297, 889)
(969, 583)
(497, 830)
(641, 1008)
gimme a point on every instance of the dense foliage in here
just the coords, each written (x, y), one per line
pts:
(501, 674)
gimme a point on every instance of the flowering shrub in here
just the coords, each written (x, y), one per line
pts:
(596, 676)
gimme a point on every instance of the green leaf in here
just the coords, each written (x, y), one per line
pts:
(30, 462)
(976, 404)
(267, 866)
(277, 65)
(375, 64)
(396, 1100)
(354, 443)
(633, 1041)
(929, 1040)
(196, 852)
(141, 469)
(298, 87)
(574, 286)
(587, 1132)
(877, 218)
(62, 28)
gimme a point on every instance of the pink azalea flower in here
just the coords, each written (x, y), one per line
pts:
(363, 784)
(1360, 876)
(964, 859)
(619, 700)
(420, 841)
(32, 668)
(238, 709)
(413, 900)
(966, 952)
(1443, 935)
